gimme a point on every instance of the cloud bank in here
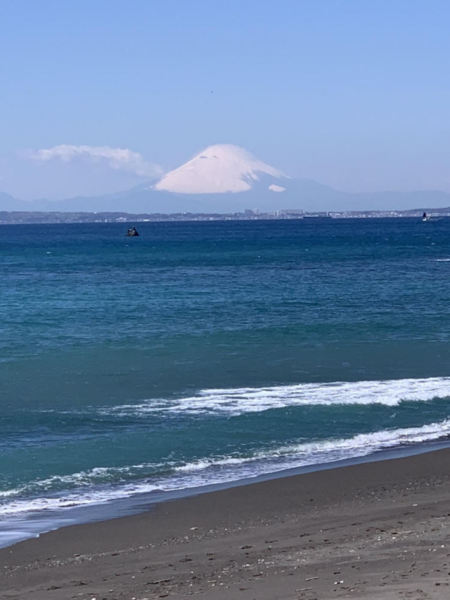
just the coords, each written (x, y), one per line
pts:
(116, 158)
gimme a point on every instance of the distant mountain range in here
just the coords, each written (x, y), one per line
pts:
(223, 179)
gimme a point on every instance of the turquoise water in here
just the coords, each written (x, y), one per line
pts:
(206, 353)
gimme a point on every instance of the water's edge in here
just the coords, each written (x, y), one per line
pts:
(36, 525)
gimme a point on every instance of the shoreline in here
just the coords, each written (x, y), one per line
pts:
(41, 522)
(375, 530)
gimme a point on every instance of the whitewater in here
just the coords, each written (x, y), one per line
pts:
(242, 400)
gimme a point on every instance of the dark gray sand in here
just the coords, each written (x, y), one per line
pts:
(378, 531)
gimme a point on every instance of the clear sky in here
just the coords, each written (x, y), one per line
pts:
(351, 93)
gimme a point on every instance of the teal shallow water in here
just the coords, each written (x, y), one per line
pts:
(205, 353)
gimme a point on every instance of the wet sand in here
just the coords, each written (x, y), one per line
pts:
(377, 530)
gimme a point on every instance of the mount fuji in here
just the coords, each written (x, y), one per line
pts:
(219, 169)
(224, 178)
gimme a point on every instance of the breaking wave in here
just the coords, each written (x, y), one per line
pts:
(96, 487)
(237, 401)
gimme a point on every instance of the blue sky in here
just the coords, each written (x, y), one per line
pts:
(351, 93)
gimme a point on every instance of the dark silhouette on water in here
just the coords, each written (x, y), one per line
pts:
(132, 232)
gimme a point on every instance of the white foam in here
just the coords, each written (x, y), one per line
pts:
(323, 451)
(224, 469)
(95, 476)
(236, 401)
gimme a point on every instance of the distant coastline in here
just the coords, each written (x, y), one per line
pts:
(49, 217)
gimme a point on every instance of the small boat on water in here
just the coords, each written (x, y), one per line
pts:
(132, 232)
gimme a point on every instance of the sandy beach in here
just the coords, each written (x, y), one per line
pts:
(378, 530)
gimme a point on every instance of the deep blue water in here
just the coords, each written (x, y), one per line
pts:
(205, 353)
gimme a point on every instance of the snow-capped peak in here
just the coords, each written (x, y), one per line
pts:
(217, 169)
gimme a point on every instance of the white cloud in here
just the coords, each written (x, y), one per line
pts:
(116, 158)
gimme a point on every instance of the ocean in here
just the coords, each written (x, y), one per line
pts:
(207, 353)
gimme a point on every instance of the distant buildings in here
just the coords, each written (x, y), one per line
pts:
(17, 217)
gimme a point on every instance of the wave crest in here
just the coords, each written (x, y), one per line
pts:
(209, 470)
(237, 401)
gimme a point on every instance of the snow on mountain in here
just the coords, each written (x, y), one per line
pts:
(276, 188)
(218, 169)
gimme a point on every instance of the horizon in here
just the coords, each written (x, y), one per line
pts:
(101, 99)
